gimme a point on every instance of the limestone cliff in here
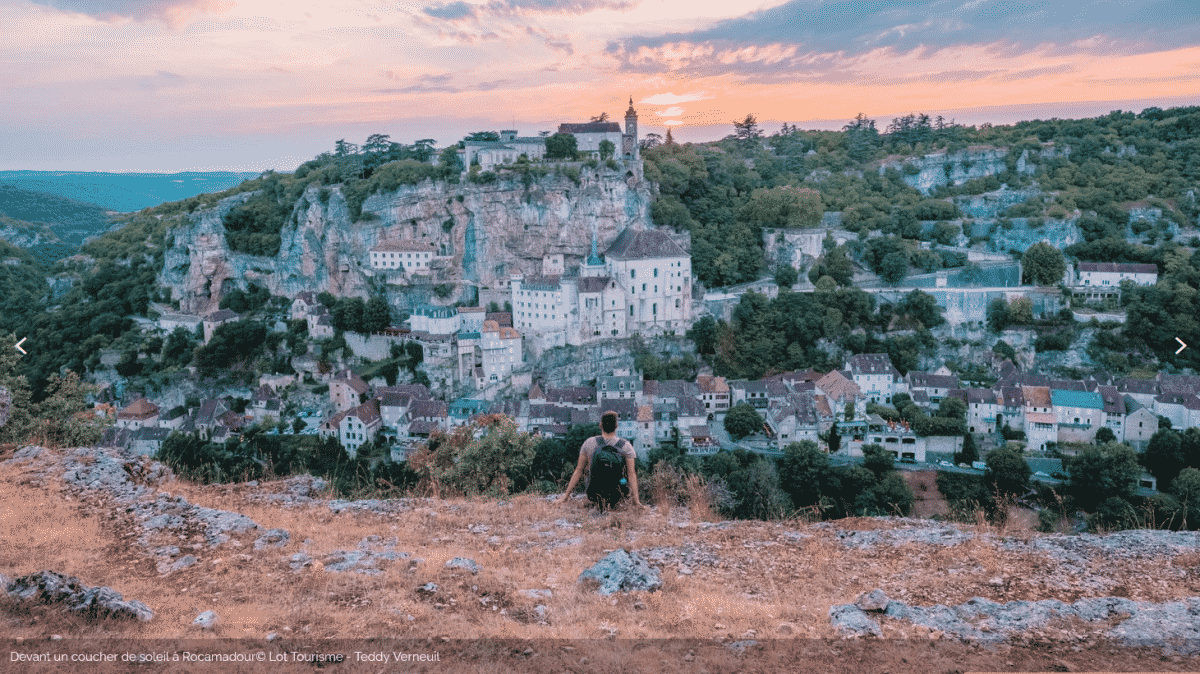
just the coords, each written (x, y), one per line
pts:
(482, 232)
(955, 168)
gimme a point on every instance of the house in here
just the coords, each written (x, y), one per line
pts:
(1140, 423)
(140, 413)
(359, 426)
(714, 393)
(1110, 274)
(1079, 414)
(796, 419)
(1011, 402)
(982, 408)
(208, 416)
(619, 387)
(305, 301)
(839, 390)
(895, 437)
(347, 390)
(147, 441)
(753, 393)
(1041, 424)
(434, 320)
(501, 352)
(1142, 390)
(701, 440)
(578, 397)
(1183, 409)
(216, 319)
(1114, 411)
(874, 374)
(488, 154)
(936, 386)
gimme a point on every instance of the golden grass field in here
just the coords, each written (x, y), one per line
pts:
(760, 585)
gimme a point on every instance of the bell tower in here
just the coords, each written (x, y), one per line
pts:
(629, 140)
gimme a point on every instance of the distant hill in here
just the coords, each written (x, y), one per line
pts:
(123, 192)
(38, 217)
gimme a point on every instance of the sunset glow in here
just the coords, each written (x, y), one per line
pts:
(248, 84)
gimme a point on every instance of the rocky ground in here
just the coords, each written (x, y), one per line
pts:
(561, 588)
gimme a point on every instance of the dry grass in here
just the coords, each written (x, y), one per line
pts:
(759, 581)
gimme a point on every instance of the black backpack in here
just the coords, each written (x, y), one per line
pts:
(606, 474)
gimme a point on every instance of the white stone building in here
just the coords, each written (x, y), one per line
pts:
(875, 375)
(435, 320)
(510, 147)
(501, 351)
(1110, 274)
(407, 256)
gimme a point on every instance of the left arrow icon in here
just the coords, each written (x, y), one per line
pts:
(18, 345)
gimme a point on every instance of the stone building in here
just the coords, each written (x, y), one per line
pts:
(589, 135)
(643, 285)
(409, 256)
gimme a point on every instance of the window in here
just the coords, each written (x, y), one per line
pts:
(643, 287)
(656, 272)
(632, 273)
(631, 310)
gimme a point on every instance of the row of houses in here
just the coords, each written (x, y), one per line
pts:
(142, 426)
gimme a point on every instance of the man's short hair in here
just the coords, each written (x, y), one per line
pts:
(608, 422)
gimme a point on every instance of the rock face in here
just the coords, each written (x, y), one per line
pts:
(481, 232)
(49, 587)
(935, 170)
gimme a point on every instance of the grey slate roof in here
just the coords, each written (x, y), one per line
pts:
(635, 244)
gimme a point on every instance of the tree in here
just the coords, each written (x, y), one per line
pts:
(602, 117)
(451, 160)
(894, 267)
(376, 143)
(803, 472)
(1005, 350)
(1007, 472)
(747, 129)
(969, 453)
(1099, 473)
(1043, 264)
(878, 460)
(607, 148)
(921, 308)
(483, 136)
(848, 411)
(786, 276)
(835, 439)
(704, 333)
(743, 420)
(784, 207)
(894, 495)
(377, 315)
(862, 138)
(496, 463)
(650, 140)
(561, 146)
(952, 407)
(1186, 488)
(669, 140)
(1164, 456)
(1105, 435)
(997, 315)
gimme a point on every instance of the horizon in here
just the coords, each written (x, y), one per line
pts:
(174, 86)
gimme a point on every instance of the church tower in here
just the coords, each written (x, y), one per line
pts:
(629, 140)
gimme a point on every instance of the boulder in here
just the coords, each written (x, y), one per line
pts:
(875, 600)
(624, 571)
(273, 538)
(850, 621)
(465, 564)
(206, 620)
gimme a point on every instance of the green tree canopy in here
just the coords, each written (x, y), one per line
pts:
(561, 146)
(1043, 264)
(1007, 471)
(1099, 473)
(743, 420)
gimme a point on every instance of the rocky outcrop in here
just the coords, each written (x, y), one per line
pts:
(482, 233)
(955, 168)
(53, 588)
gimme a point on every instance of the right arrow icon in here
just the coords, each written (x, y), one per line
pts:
(1182, 346)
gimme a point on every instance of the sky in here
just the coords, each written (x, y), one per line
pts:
(250, 85)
